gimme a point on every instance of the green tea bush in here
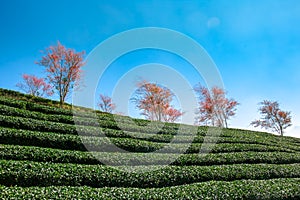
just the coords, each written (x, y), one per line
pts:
(54, 140)
(27, 173)
(31, 153)
(283, 188)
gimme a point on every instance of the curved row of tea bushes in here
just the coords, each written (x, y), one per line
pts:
(283, 188)
(28, 173)
(74, 142)
(38, 154)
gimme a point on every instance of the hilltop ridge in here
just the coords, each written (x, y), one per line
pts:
(43, 156)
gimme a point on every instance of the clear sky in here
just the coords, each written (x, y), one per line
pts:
(254, 44)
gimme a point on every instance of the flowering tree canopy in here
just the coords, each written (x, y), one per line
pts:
(105, 104)
(273, 117)
(155, 102)
(63, 67)
(214, 108)
(35, 86)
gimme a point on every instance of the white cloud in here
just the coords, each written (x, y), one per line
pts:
(293, 132)
(213, 22)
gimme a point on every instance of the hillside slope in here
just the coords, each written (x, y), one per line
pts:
(42, 157)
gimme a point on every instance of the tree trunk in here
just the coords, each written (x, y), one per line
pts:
(226, 125)
(281, 131)
(61, 102)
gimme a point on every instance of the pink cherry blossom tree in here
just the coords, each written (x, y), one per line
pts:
(214, 107)
(35, 86)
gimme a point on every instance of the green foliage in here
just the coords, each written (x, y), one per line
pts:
(43, 157)
(283, 188)
(27, 173)
(88, 127)
(55, 140)
(15, 152)
(9, 94)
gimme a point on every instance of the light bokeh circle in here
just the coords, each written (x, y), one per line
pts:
(137, 39)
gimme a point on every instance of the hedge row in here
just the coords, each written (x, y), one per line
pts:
(107, 121)
(49, 108)
(12, 111)
(38, 125)
(106, 118)
(138, 122)
(23, 109)
(38, 154)
(283, 188)
(74, 142)
(69, 119)
(27, 105)
(48, 126)
(30, 106)
(17, 95)
(21, 123)
(41, 139)
(85, 126)
(167, 138)
(241, 133)
(27, 173)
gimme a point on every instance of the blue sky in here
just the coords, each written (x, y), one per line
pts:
(254, 44)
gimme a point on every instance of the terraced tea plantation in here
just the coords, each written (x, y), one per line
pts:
(42, 157)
